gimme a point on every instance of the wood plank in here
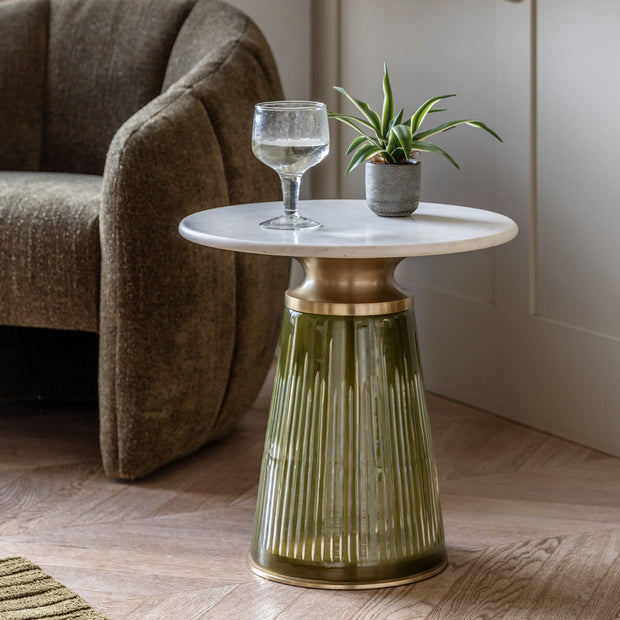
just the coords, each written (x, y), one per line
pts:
(493, 583)
(473, 520)
(605, 601)
(569, 577)
(591, 484)
(257, 599)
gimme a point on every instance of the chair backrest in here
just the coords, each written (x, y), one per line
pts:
(73, 71)
(23, 45)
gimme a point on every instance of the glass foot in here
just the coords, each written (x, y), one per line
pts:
(289, 222)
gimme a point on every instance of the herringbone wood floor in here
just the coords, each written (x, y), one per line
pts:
(532, 525)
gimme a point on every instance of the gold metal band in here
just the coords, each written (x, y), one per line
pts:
(344, 585)
(348, 287)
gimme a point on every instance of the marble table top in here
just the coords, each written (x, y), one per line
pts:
(350, 230)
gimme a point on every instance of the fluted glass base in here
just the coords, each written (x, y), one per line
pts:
(348, 493)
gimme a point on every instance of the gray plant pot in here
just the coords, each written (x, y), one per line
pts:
(393, 190)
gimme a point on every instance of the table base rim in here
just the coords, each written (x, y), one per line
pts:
(345, 585)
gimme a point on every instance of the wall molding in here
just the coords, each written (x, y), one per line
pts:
(325, 73)
(533, 251)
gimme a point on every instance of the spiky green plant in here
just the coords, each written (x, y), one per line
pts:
(389, 140)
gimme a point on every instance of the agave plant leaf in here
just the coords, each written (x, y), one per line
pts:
(397, 119)
(433, 148)
(364, 108)
(357, 142)
(350, 120)
(363, 153)
(403, 134)
(446, 126)
(481, 125)
(392, 142)
(388, 103)
(397, 156)
(420, 114)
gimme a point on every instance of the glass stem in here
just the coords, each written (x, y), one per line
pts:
(290, 193)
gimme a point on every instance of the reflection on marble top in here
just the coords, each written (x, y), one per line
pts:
(350, 230)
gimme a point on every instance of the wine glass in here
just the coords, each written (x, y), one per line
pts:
(290, 137)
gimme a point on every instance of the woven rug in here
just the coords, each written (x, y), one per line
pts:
(28, 593)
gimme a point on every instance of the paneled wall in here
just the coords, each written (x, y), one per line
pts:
(286, 25)
(530, 330)
(578, 257)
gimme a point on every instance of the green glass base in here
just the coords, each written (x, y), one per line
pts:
(348, 495)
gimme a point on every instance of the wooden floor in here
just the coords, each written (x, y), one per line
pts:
(532, 525)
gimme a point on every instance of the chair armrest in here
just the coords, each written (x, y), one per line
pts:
(166, 304)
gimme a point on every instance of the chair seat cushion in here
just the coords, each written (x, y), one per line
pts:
(50, 259)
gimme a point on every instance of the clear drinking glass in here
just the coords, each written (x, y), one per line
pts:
(290, 137)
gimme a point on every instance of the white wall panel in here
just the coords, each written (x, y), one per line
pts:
(286, 25)
(578, 164)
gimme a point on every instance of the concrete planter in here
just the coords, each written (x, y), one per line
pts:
(393, 190)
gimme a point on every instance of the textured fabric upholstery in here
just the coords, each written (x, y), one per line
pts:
(50, 258)
(105, 60)
(23, 43)
(158, 96)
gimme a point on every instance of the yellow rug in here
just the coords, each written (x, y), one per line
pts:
(28, 593)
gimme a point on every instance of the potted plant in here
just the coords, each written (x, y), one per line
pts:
(390, 148)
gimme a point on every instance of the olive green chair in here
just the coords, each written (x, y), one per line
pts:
(117, 119)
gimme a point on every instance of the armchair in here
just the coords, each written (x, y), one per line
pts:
(117, 119)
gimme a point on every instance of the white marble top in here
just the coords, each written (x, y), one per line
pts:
(350, 230)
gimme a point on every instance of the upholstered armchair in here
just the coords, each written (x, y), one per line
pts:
(117, 119)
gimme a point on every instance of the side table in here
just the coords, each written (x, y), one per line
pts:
(348, 494)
